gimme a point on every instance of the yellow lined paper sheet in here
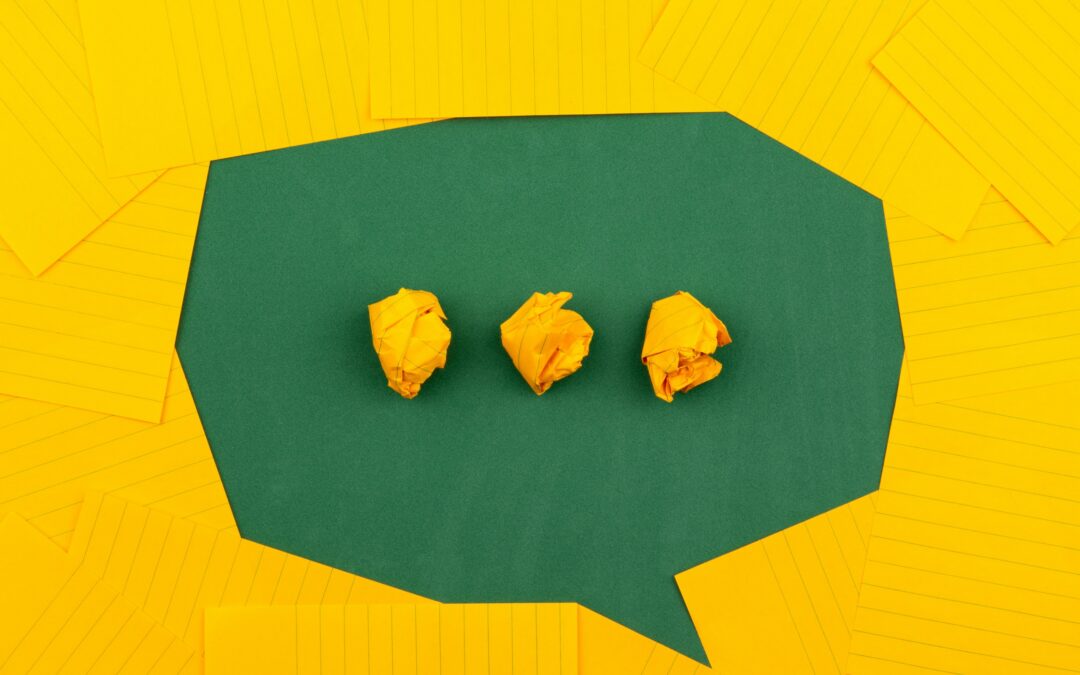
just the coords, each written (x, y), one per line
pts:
(606, 648)
(972, 564)
(801, 73)
(426, 639)
(1052, 404)
(786, 603)
(58, 619)
(453, 58)
(183, 81)
(53, 186)
(97, 330)
(996, 311)
(174, 568)
(50, 456)
(999, 81)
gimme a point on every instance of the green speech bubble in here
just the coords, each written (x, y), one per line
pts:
(478, 489)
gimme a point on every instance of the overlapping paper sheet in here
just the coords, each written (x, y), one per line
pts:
(428, 639)
(50, 456)
(999, 80)
(972, 565)
(801, 73)
(54, 187)
(500, 57)
(432, 638)
(97, 329)
(786, 603)
(606, 647)
(174, 568)
(195, 80)
(57, 618)
(997, 311)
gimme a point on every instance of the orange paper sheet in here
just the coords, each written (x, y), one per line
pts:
(54, 189)
(97, 330)
(997, 311)
(51, 456)
(784, 604)
(56, 619)
(972, 564)
(428, 639)
(999, 80)
(173, 569)
(447, 58)
(608, 648)
(195, 80)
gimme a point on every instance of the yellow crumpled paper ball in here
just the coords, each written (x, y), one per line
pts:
(545, 341)
(679, 338)
(410, 338)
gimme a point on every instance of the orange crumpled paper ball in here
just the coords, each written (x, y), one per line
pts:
(545, 341)
(681, 335)
(410, 338)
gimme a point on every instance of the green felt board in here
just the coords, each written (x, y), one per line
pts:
(479, 490)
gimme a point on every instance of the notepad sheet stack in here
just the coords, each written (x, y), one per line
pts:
(119, 548)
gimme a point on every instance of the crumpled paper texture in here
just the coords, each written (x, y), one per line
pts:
(679, 338)
(410, 338)
(545, 341)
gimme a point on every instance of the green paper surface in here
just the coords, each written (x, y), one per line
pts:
(478, 490)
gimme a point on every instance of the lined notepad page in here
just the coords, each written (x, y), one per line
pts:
(194, 80)
(97, 330)
(451, 58)
(785, 604)
(50, 456)
(801, 73)
(1000, 81)
(1052, 404)
(54, 186)
(428, 639)
(972, 565)
(58, 619)
(606, 647)
(996, 311)
(174, 568)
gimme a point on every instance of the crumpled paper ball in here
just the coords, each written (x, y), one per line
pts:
(545, 341)
(410, 338)
(679, 338)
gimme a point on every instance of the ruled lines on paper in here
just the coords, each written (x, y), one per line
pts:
(427, 639)
(97, 330)
(800, 72)
(195, 80)
(1001, 84)
(58, 619)
(174, 568)
(972, 565)
(997, 311)
(55, 188)
(452, 58)
(785, 603)
(51, 456)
